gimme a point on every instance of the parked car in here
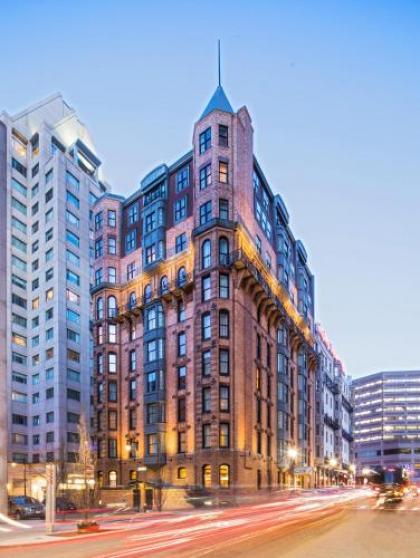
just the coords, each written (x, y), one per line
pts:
(63, 504)
(25, 507)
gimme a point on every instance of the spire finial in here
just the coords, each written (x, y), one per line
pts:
(218, 57)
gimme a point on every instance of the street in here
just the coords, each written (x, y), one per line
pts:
(361, 531)
(323, 523)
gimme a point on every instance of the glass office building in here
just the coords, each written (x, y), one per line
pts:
(387, 421)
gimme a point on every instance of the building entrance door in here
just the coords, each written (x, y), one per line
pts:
(148, 493)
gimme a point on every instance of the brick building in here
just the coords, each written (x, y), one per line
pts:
(203, 326)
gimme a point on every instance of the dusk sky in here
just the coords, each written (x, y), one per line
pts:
(334, 92)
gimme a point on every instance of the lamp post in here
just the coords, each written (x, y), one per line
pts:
(292, 454)
(131, 447)
(352, 470)
(140, 469)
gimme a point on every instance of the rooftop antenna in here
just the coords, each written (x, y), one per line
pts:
(218, 58)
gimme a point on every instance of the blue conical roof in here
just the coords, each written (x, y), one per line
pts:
(219, 101)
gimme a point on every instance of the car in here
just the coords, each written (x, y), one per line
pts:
(414, 491)
(63, 504)
(25, 507)
(391, 493)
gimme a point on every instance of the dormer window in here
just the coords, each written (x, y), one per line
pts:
(205, 140)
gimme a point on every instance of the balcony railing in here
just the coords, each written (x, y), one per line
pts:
(331, 422)
(346, 404)
(215, 222)
(171, 287)
(331, 385)
(156, 459)
(346, 435)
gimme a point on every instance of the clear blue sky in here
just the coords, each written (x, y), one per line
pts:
(334, 92)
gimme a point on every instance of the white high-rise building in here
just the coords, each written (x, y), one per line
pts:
(49, 179)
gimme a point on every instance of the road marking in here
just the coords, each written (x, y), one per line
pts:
(146, 548)
(196, 528)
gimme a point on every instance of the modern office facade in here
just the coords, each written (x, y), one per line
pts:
(334, 416)
(387, 421)
(48, 184)
(204, 328)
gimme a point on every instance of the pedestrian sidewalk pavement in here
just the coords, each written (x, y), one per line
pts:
(19, 533)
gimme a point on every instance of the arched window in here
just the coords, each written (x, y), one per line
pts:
(112, 307)
(182, 276)
(224, 324)
(112, 479)
(100, 308)
(206, 254)
(223, 251)
(259, 312)
(206, 473)
(224, 476)
(132, 300)
(182, 473)
(148, 293)
(164, 285)
(282, 335)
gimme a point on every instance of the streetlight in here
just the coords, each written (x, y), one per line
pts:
(352, 470)
(292, 454)
(131, 447)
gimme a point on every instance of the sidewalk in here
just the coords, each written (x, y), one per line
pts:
(30, 532)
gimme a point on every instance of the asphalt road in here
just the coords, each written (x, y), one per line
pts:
(362, 531)
(331, 524)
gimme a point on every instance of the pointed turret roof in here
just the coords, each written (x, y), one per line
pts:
(219, 101)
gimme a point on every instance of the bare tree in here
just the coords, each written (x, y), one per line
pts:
(86, 460)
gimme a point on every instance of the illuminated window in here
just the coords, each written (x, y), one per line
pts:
(223, 172)
(224, 476)
(182, 473)
(112, 477)
(206, 474)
